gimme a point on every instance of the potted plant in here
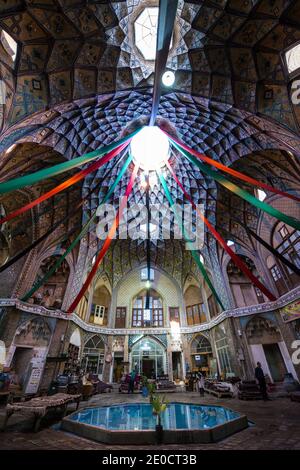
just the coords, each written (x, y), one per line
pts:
(159, 405)
(151, 390)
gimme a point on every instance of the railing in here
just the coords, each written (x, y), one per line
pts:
(238, 312)
(139, 320)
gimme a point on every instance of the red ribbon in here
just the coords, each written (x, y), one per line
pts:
(223, 243)
(107, 242)
(69, 182)
(232, 172)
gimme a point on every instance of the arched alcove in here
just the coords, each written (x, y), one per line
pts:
(51, 293)
(286, 240)
(144, 315)
(201, 354)
(243, 291)
(100, 305)
(73, 353)
(148, 357)
(223, 351)
(194, 305)
(30, 345)
(167, 298)
(267, 347)
(93, 355)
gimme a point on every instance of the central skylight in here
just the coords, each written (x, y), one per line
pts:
(145, 29)
(150, 148)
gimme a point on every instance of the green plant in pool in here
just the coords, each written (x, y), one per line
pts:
(159, 406)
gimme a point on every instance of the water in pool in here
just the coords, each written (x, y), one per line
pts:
(138, 416)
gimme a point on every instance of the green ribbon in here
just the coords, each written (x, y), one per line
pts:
(32, 178)
(193, 252)
(239, 191)
(79, 236)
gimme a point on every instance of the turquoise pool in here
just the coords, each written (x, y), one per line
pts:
(138, 416)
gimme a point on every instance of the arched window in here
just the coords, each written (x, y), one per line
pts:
(243, 291)
(147, 317)
(93, 355)
(223, 351)
(73, 353)
(201, 354)
(286, 240)
(148, 357)
(195, 307)
(201, 345)
(100, 306)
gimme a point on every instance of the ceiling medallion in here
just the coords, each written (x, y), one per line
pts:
(137, 31)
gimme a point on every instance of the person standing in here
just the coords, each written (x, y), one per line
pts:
(260, 377)
(131, 382)
(191, 383)
(200, 382)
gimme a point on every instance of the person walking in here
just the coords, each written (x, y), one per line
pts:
(200, 382)
(260, 377)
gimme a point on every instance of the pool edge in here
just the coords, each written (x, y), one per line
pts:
(146, 437)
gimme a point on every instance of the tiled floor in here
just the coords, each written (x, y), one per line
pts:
(277, 426)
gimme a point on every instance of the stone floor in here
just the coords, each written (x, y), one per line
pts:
(277, 426)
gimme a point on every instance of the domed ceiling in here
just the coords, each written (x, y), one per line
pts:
(228, 51)
(79, 79)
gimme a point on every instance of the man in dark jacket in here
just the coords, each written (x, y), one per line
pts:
(260, 376)
(132, 379)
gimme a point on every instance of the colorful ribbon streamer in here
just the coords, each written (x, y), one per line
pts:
(273, 251)
(239, 191)
(55, 226)
(82, 233)
(176, 142)
(193, 252)
(223, 243)
(32, 178)
(252, 233)
(69, 182)
(107, 242)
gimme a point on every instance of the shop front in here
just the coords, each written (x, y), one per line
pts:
(148, 357)
(268, 347)
(202, 355)
(93, 356)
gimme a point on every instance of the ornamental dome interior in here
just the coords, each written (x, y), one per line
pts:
(92, 236)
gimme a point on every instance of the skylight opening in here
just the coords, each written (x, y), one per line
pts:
(261, 195)
(292, 58)
(9, 44)
(145, 30)
(168, 78)
(150, 148)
